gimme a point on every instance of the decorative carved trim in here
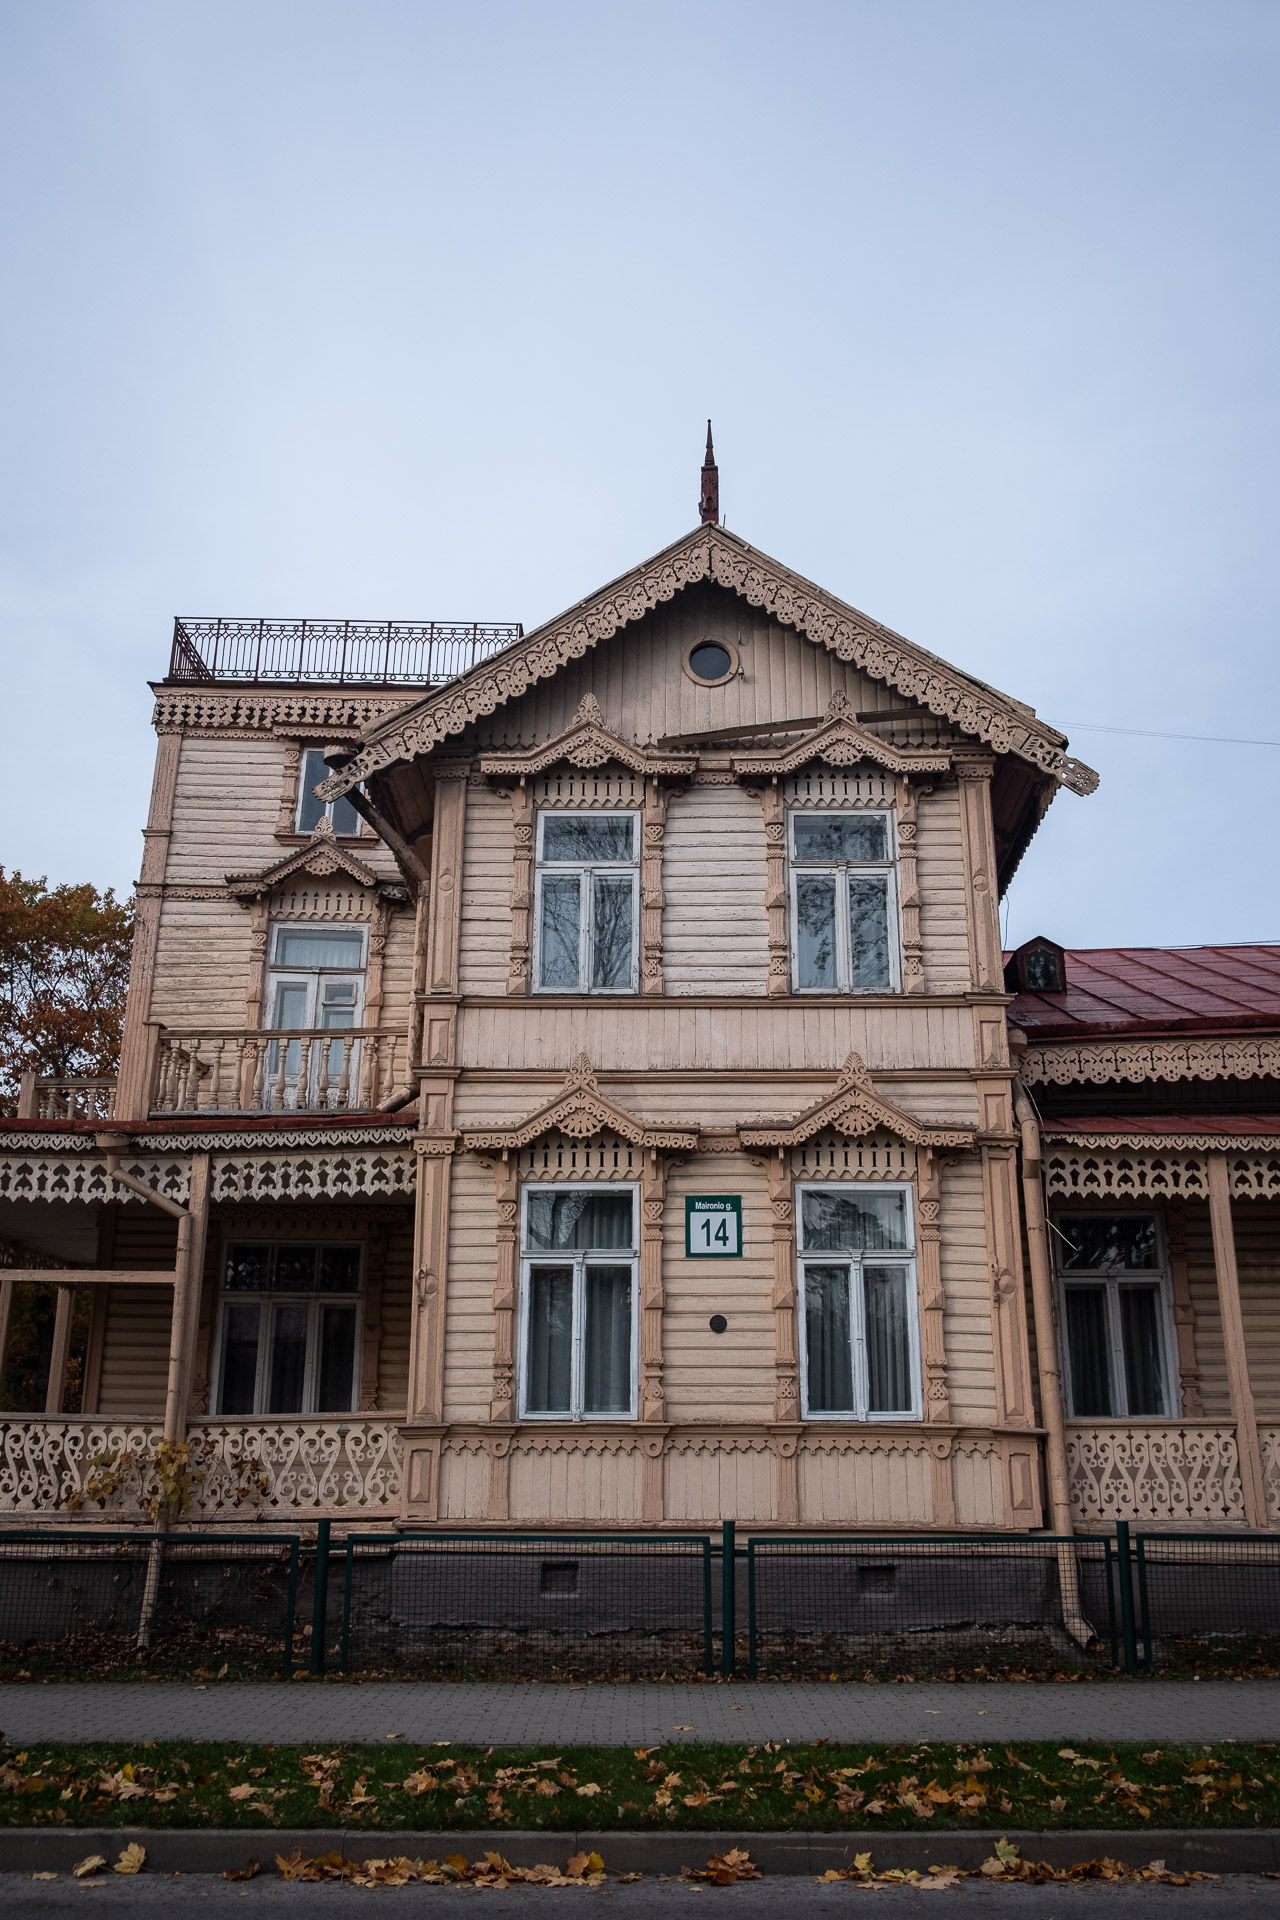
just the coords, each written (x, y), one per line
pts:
(652, 832)
(323, 855)
(712, 553)
(1157, 1174)
(1164, 1471)
(1097, 1061)
(841, 742)
(907, 816)
(774, 806)
(325, 715)
(41, 1176)
(580, 1110)
(853, 1108)
(933, 1348)
(337, 1137)
(1169, 1142)
(588, 743)
(523, 830)
(342, 1174)
(834, 1156)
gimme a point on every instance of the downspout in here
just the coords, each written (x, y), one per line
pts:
(1047, 1366)
(175, 1420)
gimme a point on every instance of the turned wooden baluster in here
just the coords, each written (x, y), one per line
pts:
(214, 1102)
(389, 1078)
(322, 1080)
(237, 1075)
(302, 1086)
(277, 1085)
(192, 1094)
(257, 1094)
(344, 1077)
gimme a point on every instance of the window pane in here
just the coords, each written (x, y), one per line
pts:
(295, 1269)
(607, 1341)
(249, 1268)
(337, 1359)
(868, 932)
(239, 1357)
(874, 1222)
(588, 836)
(840, 836)
(556, 1219)
(288, 1359)
(816, 930)
(311, 949)
(291, 1006)
(611, 914)
(1106, 1240)
(344, 817)
(1088, 1352)
(1143, 1371)
(888, 1339)
(828, 1345)
(558, 933)
(339, 1269)
(314, 771)
(550, 1339)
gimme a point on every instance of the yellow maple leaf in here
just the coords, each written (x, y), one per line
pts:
(131, 1859)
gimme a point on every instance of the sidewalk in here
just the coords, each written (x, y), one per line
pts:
(634, 1716)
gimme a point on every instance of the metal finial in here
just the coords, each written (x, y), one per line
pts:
(709, 504)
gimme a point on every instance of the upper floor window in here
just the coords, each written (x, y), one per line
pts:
(587, 911)
(860, 1340)
(844, 907)
(1115, 1310)
(579, 1299)
(287, 1329)
(341, 815)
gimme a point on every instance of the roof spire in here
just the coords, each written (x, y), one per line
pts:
(709, 505)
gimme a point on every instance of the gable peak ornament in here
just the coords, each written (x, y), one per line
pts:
(709, 503)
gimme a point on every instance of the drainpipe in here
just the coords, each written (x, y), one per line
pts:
(1047, 1365)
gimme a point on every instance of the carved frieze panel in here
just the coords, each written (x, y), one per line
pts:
(368, 1173)
(1097, 1061)
(559, 1157)
(832, 1156)
(55, 1177)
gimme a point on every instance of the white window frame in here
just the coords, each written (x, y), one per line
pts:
(906, 1258)
(1112, 1278)
(587, 870)
(305, 793)
(843, 871)
(579, 1259)
(270, 1297)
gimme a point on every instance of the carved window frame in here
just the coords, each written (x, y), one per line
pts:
(315, 1299)
(530, 1258)
(585, 870)
(908, 1260)
(1112, 1278)
(287, 830)
(843, 871)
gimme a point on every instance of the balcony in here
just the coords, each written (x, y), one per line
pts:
(332, 653)
(282, 1070)
(66, 1099)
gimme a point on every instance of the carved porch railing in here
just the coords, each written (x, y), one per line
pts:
(88, 1099)
(289, 1468)
(278, 1070)
(1161, 1471)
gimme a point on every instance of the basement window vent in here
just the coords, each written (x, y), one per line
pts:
(559, 1576)
(874, 1581)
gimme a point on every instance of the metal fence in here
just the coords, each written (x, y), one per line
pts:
(1193, 1595)
(529, 1605)
(96, 1601)
(342, 653)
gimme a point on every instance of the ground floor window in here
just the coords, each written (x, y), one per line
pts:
(1115, 1314)
(860, 1340)
(579, 1299)
(288, 1328)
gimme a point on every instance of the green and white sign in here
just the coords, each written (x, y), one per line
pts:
(712, 1225)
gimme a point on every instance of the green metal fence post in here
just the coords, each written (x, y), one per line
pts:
(290, 1607)
(1128, 1627)
(728, 1599)
(752, 1665)
(1144, 1606)
(320, 1597)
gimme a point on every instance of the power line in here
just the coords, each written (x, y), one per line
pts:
(1143, 733)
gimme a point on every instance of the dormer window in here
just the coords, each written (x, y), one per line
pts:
(844, 902)
(1038, 966)
(341, 815)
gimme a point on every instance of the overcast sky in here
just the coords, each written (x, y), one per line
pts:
(401, 309)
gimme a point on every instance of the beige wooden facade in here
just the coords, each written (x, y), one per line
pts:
(462, 1087)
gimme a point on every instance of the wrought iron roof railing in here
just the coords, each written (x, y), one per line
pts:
(341, 653)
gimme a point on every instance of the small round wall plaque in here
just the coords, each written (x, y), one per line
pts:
(718, 1323)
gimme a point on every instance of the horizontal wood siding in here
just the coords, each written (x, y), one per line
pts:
(135, 1354)
(730, 1375)
(204, 960)
(714, 927)
(1202, 1281)
(468, 1339)
(397, 1301)
(484, 931)
(966, 1287)
(940, 876)
(225, 807)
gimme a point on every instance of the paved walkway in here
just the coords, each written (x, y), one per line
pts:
(622, 1716)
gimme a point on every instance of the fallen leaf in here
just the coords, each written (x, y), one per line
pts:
(131, 1859)
(592, 1787)
(90, 1864)
(245, 1792)
(682, 1729)
(242, 1873)
(44, 1876)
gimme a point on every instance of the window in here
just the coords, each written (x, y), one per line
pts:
(317, 980)
(579, 1303)
(588, 903)
(1115, 1314)
(859, 1343)
(843, 903)
(711, 662)
(341, 815)
(288, 1324)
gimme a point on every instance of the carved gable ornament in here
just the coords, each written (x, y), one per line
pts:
(321, 858)
(713, 553)
(587, 743)
(580, 1110)
(854, 1109)
(841, 742)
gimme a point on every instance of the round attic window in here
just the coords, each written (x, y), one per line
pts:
(711, 663)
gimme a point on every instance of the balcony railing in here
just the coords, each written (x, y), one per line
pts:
(66, 1099)
(282, 1070)
(332, 653)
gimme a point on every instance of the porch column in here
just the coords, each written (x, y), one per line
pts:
(55, 1392)
(1233, 1341)
(6, 1315)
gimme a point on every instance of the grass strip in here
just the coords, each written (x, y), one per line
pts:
(820, 1787)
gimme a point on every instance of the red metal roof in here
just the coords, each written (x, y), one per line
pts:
(1156, 990)
(1159, 1124)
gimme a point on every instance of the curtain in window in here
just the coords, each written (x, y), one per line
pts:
(888, 1340)
(868, 1222)
(555, 1220)
(606, 1384)
(335, 1373)
(558, 934)
(611, 916)
(297, 948)
(240, 1332)
(828, 1342)
(1143, 1371)
(550, 1339)
(816, 930)
(1087, 1347)
(288, 1359)
(868, 931)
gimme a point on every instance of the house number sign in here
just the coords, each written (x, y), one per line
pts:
(712, 1225)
